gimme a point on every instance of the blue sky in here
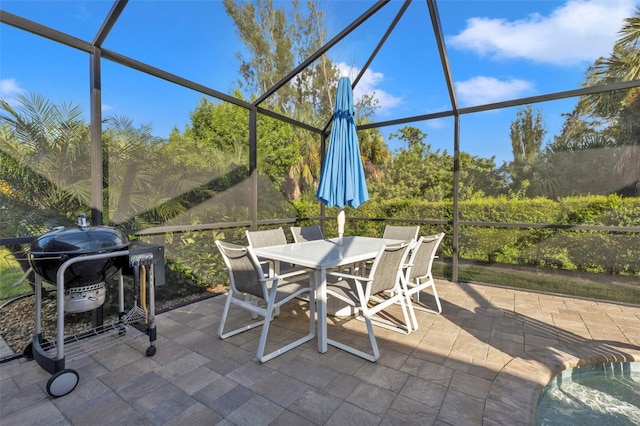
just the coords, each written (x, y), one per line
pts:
(498, 50)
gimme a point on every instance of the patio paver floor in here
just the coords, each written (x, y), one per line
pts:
(485, 361)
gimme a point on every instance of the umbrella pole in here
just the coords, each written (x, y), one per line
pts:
(341, 221)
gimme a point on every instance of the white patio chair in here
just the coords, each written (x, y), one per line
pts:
(386, 276)
(247, 277)
(419, 276)
(275, 237)
(268, 238)
(400, 232)
(302, 234)
(306, 233)
(397, 232)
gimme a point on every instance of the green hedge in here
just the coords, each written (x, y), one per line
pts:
(563, 248)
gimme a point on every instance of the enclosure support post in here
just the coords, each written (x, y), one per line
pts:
(253, 167)
(456, 197)
(96, 138)
(97, 177)
(446, 68)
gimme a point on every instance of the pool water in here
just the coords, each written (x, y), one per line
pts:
(604, 394)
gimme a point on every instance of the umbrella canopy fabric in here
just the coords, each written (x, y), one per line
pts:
(342, 181)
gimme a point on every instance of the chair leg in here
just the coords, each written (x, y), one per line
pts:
(412, 311)
(265, 330)
(372, 340)
(376, 319)
(357, 352)
(225, 312)
(423, 308)
(404, 303)
(435, 294)
(263, 335)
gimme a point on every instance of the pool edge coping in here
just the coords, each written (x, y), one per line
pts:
(516, 389)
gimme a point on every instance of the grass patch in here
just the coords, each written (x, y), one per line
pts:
(550, 283)
(10, 272)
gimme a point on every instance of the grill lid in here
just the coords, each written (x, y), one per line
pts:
(82, 239)
(49, 251)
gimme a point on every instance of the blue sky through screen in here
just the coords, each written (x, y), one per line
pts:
(499, 50)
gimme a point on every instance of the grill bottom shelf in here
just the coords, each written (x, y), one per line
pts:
(90, 342)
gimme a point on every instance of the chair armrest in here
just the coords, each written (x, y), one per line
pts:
(267, 279)
(348, 276)
(293, 273)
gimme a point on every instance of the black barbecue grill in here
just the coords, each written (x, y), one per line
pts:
(79, 260)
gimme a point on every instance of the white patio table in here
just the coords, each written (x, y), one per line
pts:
(319, 256)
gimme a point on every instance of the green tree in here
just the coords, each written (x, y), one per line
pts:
(558, 170)
(626, 133)
(415, 171)
(221, 126)
(45, 159)
(45, 174)
(418, 172)
(577, 166)
(222, 131)
(134, 187)
(527, 134)
(479, 177)
(44, 167)
(600, 135)
(277, 40)
(375, 154)
(623, 64)
(575, 128)
(619, 111)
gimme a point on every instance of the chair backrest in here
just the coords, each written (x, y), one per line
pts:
(244, 269)
(267, 238)
(306, 233)
(388, 266)
(422, 256)
(403, 233)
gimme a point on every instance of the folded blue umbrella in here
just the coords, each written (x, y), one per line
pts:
(342, 181)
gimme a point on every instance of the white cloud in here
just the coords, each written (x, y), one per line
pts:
(367, 85)
(578, 32)
(485, 90)
(9, 89)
